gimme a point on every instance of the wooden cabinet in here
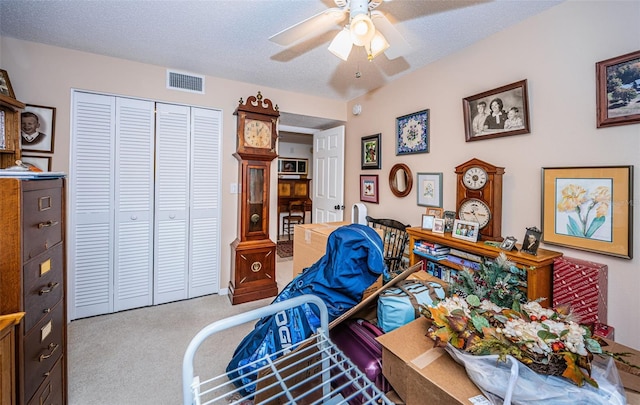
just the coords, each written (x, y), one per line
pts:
(9, 137)
(32, 275)
(293, 190)
(8, 324)
(539, 268)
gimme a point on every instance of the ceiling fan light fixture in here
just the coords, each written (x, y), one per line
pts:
(341, 44)
(362, 29)
(378, 45)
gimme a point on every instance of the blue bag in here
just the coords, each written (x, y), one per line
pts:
(352, 262)
(400, 304)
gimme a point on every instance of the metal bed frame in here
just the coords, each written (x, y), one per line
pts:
(315, 371)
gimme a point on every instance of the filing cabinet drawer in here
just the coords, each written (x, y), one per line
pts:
(43, 285)
(42, 220)
(50, 392)
(43, 346)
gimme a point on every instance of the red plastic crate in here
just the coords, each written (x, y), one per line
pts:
(582, 284)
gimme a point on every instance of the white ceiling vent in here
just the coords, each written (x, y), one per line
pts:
(185, 81)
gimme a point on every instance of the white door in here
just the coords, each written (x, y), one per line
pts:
(328, 175)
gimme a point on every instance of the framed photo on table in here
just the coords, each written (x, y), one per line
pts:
(412, 133)
(465, 230)
(370, 152)
(369, 188)
(429, 189)
(495, 113)
(618, 90)
(438, 225)
(531, 241)
(427, 222)
(589, 208)
(436, 212)
(38, 125)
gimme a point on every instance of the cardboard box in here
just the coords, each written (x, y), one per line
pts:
(310, 243)
(422, 374)
(582, 284)
(629, 376)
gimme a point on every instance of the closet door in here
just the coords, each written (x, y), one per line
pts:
(173, 129)
(204, 227)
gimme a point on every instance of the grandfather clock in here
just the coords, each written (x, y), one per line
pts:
(253, 253)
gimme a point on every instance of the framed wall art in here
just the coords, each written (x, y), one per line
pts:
(38, 125)
(369, 188)
(495, 113)
(293, 166)
(618, 90)
(429, 189)
(5, 84)
(589, 208)
(370, 152)
(465, 230)
(41, 162)
(412, 133)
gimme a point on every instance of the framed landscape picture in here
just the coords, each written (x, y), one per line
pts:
(618, 87)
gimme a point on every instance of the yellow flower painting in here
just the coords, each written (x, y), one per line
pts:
(584, 208)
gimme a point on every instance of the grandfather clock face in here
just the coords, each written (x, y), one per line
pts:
(479, 196)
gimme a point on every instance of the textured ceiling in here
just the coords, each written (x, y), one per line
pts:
(229, 39)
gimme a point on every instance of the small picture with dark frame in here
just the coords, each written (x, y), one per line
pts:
(531, 241)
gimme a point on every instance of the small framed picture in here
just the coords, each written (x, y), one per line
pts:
(412, 133)
(427, 221)
(39, 162)
(465, 230)
(499, 112)
(449, 218)
(370, 152)
(369, 188)
(531, 241)
(618, 90)
(509, 243)
(430, 189)
(436, 212)
(38, 128)
(438, 225)
(5, 84)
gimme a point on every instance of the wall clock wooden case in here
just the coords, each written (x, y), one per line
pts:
(254, 254)
(479, 196)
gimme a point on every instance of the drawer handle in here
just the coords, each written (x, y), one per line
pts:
(51, 287)
(52, 348)
(47, 224)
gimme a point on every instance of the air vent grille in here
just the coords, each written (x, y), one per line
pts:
(185, 82)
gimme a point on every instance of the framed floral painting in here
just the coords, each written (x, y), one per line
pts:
(430, 189)
(589, 208)
(412, 133)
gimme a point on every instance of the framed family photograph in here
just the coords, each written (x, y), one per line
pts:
(39, 162)
(38, 125)
(449, 218)
(495, 113)
(509, 243)
(369, 188)
(370, 152)
(618, 87)
(465, 230)
(429, 189)
(589, 208)
(5, 84)
(412, 133)
(531, 241)
(438, 225)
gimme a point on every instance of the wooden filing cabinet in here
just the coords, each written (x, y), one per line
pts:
(32, 274)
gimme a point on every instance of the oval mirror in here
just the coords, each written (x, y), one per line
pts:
(400, 180)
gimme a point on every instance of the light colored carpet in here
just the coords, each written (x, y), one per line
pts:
(135, 357)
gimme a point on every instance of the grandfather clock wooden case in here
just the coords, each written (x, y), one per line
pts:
(32, 273)
(253, 253)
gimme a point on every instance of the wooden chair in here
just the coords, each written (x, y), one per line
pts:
(295, 216)
(394, 241)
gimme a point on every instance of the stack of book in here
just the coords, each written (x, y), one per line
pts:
(433, 251)
(465, 259)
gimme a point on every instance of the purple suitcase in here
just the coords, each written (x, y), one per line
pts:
(357, 340)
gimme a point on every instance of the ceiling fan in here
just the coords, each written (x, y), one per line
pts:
(366, 27)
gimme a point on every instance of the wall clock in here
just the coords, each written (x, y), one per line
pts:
(254, 254)
(479, 196)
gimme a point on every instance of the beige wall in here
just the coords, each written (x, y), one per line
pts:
(556, 52)
(45, 75)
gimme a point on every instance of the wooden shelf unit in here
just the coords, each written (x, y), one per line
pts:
(11, 151)
(539, 268)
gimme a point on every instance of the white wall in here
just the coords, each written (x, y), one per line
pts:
(556, 52)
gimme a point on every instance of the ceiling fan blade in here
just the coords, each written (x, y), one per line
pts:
(318, 24)
(399, 46)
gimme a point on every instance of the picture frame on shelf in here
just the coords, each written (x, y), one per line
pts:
(531, 241)
(293, 166)
(511, 106)
(465, 230)
(40, 162)
(589, 208)
(438, 225)
(427, 222)
(436, 212)
(449, 218)
(429, 189)
(412, 133)
(5, 84)
(38, 125)
(369, 188)
(509, 244)
(618, 90)
(370, 152)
